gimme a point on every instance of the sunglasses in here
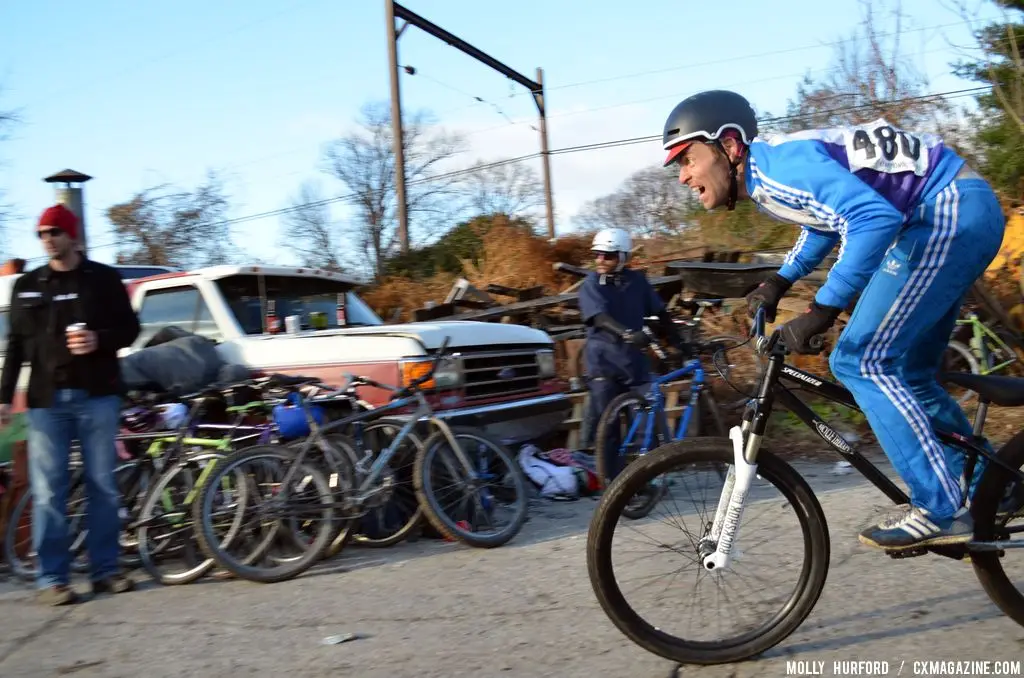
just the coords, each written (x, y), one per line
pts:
(52, 232)
(610, 256)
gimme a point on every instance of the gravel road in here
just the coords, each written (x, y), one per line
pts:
(437, 609)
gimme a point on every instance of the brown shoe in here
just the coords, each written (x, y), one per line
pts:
(59, 594)
(114, 584)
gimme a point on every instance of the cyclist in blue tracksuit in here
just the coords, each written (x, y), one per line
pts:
(613, 301)
(915, 227)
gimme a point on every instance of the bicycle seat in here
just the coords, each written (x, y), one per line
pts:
(1000, 390)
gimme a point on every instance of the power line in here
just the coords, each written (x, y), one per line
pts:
(613, 143)
(677, 97)
(552, 116)
(732, 59)
(478, 99)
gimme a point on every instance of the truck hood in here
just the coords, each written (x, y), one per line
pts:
(460, 333)
(432, 334)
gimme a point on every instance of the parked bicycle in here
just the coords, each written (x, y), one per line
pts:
(308, 496)
(637, 422)
(721, 548)
(987, 351)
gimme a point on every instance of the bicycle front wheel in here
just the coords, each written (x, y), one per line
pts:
(168, 547)
(625, 426)
(760, 624)
(274, 517)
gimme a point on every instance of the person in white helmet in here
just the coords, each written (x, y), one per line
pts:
(614, 300)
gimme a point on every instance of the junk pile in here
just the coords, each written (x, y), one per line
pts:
(559, 475)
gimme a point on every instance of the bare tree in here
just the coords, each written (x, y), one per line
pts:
(167, 226)
(872, 77)
(603, 212)
(650, 202)
(512, 189)
(309, 231)
(364, 161)
(8, 119)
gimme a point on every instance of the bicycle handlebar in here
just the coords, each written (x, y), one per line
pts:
(766, 345)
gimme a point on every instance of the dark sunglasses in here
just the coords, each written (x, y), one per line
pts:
(52, 232)
(606, 255)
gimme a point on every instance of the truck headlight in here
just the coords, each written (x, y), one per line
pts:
(447, 374)
(546, 364)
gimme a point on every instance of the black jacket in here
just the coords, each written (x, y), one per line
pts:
(103, 304)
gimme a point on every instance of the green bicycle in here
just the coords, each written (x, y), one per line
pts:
(986, 351)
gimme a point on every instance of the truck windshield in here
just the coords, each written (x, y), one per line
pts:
(292, 295)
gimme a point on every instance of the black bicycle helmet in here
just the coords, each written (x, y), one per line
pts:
(704, 117)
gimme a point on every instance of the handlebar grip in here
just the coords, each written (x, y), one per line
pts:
(443, 347)
(817, 342)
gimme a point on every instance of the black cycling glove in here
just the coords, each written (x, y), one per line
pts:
(816, 320)
(767, 296)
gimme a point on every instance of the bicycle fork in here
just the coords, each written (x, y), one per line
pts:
(731, 502)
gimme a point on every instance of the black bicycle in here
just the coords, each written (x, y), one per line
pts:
(712, 552)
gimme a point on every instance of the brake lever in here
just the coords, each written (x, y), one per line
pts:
(655, 346)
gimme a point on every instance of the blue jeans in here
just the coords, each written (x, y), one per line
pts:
(891, 349)
(94, 422)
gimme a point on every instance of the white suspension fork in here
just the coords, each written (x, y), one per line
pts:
(730, 503)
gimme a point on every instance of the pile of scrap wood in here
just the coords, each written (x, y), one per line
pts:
(558, 314)
(714, 275)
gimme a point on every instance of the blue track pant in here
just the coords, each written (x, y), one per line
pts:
(889, 354)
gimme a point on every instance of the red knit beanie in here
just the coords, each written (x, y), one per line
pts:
(61, 217)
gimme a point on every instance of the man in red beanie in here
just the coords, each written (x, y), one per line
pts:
(69, 318)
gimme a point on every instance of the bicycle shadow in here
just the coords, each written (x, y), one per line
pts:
(816, 647)
(917, 608)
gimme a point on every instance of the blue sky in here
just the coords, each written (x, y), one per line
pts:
(143, 93)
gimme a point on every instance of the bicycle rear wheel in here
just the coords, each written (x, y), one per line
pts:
(397, 515)
(18, 549)
(493, 482)
(994, 488)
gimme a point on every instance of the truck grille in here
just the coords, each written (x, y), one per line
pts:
(494, 375)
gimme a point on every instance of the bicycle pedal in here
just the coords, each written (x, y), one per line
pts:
(907, 553)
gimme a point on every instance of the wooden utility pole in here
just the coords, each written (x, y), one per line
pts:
(396, 127)
(549, 199)
(395, 10)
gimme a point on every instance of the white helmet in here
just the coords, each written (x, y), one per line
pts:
(614, 240)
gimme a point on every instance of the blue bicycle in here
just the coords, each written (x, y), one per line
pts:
(639, 419)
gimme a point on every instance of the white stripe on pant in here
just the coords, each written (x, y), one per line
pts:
(917, 285)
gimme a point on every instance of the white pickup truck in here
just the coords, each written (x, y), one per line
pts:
(502, 377)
